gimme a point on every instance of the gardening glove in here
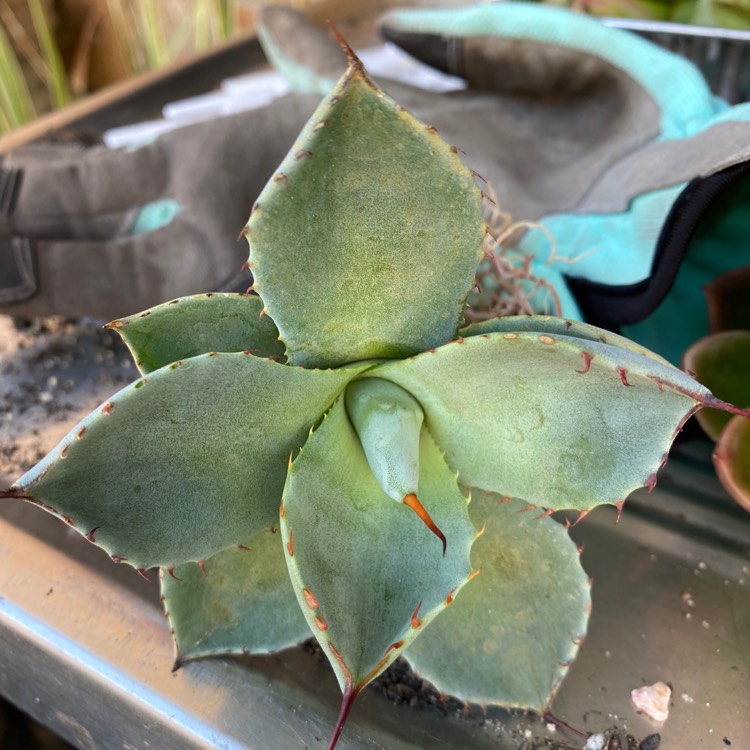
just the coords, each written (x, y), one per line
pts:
(647, 173)
(104, 233)
(640, 175)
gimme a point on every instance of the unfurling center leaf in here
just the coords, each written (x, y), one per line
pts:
(388, 422)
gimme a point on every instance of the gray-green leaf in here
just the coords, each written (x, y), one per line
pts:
(187, 461)
(512, 633)
(367, 573)
(239, 602)
(366, 242)
(189, 326)
(553, 420)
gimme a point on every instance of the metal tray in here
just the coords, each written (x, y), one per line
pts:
(723, 55)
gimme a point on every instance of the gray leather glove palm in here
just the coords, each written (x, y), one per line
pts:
(105, 233)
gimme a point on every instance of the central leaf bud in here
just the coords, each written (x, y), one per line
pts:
(388, 422)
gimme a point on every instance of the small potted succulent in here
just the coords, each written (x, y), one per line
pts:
(338, 453)
(721, 360)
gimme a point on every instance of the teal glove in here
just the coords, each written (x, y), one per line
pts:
(617, 146)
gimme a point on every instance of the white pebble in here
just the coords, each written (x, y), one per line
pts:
(595, 742)
(653, 700)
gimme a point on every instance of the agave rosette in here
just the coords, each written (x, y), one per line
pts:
(270, 435)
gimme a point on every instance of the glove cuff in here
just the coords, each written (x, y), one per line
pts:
(18, 280)
(613, 306)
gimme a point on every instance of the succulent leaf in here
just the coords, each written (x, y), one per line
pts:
(388, 422)
(366, 572)
(553, 326)
(187, 461)
(721, 362)
(511, 634)
(189, 326)
(552, 420)
(239, 601)
(366, 242)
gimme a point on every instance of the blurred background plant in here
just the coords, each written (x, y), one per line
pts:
(55, 51)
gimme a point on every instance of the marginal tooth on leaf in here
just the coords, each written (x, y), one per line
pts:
(393, 647)
(481, 531)
(547, 340)
(659, 382)
(311, 601)
(473, 574)
(650, 482)
(320, 623)
(302, 153)
(580, 548)
(580, 640)
(80, 433)
(107, 408)
(282, 509)
(484, 195)
(273, 529)
(623, 373)
(262, 314)
(118, 559)
(64, 450)
(581, 516)
(142, 573)
(281, 177)
(449, 598)
(202, 566)
(527, 508)
(547, 513)
(91, 534)
(290, 544)
(510, 336)
(320, 125)
(412, 502)
(172, 574)
(415, 621)
(586, 363)
(504, 499)
(619, 505)
(244, 548)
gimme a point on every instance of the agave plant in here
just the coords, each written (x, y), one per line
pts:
(301, 459)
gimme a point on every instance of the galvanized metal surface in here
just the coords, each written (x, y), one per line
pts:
(90, 655)
(723, 55)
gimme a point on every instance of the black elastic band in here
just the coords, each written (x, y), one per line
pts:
(614, 306)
